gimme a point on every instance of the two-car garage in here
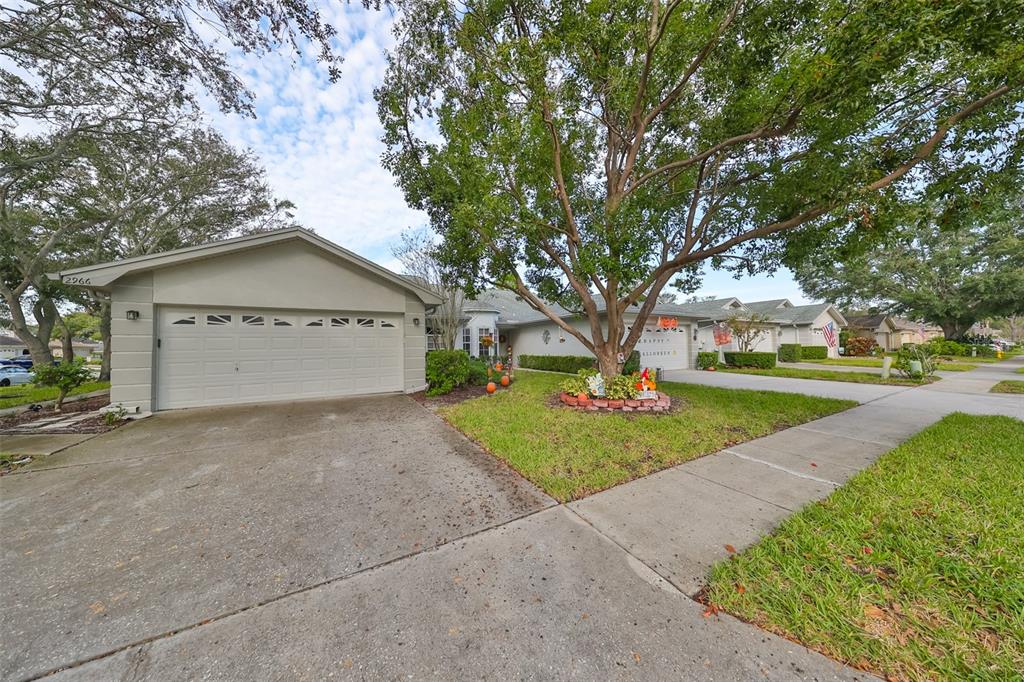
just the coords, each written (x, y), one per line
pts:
(280, 315)
(216, 356)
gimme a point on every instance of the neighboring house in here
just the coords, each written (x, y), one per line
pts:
(909, 331)
(278, 315)
(11, 346)
(672, 336)
(82, 348)
(882, 328)
(803, 324)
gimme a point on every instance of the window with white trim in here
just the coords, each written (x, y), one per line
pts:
(482, 333)
(339, 322)
(364, 322)
(387, 324)
(283, 322)
(218, 320)
(189, 320)
(467, 339)
(252, 320)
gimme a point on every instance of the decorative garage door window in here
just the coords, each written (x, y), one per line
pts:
(252, 320)
(315, 322)
(190, 320)
(283, 322)
(218, 320)
(364, 321)
(339, 321)
(386, 324)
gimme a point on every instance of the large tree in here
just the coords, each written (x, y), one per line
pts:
(144, 194)
(587, 153)
(418, 254)
(950, 261)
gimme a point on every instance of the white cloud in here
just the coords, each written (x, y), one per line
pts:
(320, 141)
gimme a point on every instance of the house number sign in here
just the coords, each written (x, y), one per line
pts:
(77, 280)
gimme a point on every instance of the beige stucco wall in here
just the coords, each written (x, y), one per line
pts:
(294, 275)
(132, 343)
(291, 276)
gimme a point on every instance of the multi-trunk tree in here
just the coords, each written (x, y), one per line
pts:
(587, 154)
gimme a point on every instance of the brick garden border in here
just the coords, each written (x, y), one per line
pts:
(661, 404)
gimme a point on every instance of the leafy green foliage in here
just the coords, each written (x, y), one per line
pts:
(790, 352)
(65, 377)
(706, 359)
(578, 385)
(569, 364)
(447, 370)
(751, 359)
(477, 372)
(814, 352)
(621, 387)
(952, 256)
(951, 348)
(925, 364)
(909, 568)
(587, 154)
(573, 454)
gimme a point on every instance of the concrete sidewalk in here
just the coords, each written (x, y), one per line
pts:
(680, 520)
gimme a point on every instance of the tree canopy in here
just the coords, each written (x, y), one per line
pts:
(588, 153)
(951, 260)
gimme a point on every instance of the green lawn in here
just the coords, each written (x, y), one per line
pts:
(26, 394)
(877, 362)
(914, 569)
(572, 454)
(1008, 386)
(825, 375)
(1019, 370)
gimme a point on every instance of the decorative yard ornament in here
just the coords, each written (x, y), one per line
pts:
(596, 385)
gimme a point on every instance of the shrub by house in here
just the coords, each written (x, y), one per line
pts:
(752, 359)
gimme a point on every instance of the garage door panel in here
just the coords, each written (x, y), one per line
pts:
(250, 356)
(284, 343)
(253, 343)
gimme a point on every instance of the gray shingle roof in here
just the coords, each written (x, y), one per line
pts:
(769, 307)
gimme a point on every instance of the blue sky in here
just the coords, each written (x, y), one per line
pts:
(320, 144)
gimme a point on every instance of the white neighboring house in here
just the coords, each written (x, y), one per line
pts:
(882, 328)
(672, 336)
(279, 315)
(11, 346)
(802, 324)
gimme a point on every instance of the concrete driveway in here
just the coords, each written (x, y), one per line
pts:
(195, 514)
(354, 538)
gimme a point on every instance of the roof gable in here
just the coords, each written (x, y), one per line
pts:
(102, 275)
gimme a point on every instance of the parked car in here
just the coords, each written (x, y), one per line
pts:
(23, 361)
(11, 375)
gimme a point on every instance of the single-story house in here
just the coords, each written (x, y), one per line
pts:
(803, 324)
(279, 315)
(11, 346)
(909, 331)
(82, 348)
(882, 328)
(672, 336)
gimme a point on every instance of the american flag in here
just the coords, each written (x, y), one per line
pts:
(829, 330)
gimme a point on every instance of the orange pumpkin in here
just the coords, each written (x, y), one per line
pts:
(491, 387)
(504, 380)
(498, 367)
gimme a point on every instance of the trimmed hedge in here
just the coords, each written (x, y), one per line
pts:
(815, 352)
(707, 359)
(758, 360)
(790, 352)
(570, 364)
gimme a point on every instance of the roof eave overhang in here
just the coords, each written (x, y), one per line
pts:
(102, 275)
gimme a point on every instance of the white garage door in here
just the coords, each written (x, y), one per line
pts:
(663, 348)
(213, 356)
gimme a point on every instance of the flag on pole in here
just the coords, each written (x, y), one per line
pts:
(829, 330)
(722, 334)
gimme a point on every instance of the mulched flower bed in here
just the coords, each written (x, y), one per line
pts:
(456, 396)
(22, 421)
(663, 403)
